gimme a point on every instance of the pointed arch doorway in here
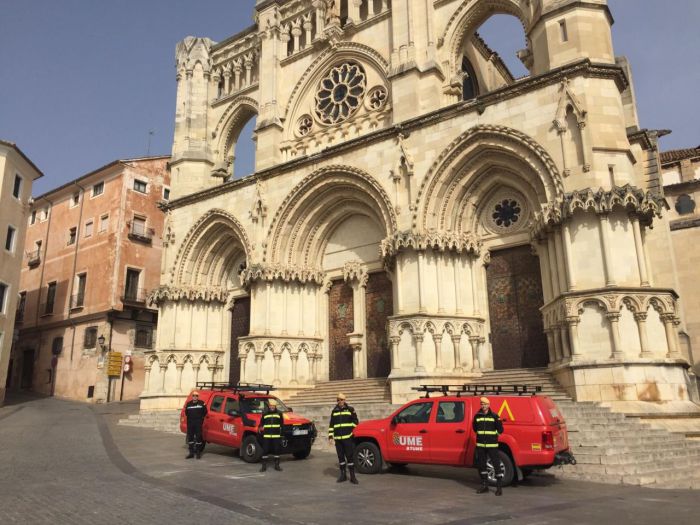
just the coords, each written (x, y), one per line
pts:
(515, 297)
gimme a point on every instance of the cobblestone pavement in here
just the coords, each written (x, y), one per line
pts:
(63, 462)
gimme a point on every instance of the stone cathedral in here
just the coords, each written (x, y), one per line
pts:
(416, 212)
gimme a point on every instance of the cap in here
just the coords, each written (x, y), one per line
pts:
(485, 400)
(195, 393)
(341, 396)
(272, 402)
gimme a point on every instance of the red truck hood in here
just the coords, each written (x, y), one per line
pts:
(290, 418)
(371, 424)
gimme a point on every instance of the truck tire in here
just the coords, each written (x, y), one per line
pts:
(368, 458)
(302, 454)
(508, 470)
(251, 450)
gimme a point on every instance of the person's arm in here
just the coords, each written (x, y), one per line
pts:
(353, 417)
(331, 424)
(499, 424)
(474, 422)
(204, 407)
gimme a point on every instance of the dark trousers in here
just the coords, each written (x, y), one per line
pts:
(194, 436)
(271, 446)
(345, 448)
(488, 453)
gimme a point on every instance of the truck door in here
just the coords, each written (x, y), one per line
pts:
(232, 426)
(449, 433)
(213, 423)
(409, 434)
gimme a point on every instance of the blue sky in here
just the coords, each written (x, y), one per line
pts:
(84, 81)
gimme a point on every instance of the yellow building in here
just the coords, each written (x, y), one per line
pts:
(17, 174)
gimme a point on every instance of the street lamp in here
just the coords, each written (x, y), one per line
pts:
(101, 341)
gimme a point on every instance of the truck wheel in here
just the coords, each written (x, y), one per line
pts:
(368, 458)
(251, 450)
(508, 469)
(302, 454)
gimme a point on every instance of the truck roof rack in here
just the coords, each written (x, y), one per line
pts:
(236, 387)
(477, 390)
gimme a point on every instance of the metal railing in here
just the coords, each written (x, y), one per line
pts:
(34, 258)
(77, 300)
(139, 232)
(137, 295)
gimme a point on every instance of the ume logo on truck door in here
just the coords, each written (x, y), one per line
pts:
(410, 442)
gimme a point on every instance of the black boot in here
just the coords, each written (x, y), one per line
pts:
(263, 466)
(484, 487)
(191, 454)
(277, 463)
(353, 479)
(198, 454)
(342, 476)
(499, 484)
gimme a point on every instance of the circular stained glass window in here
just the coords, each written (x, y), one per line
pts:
(340, 93)
(506, 213)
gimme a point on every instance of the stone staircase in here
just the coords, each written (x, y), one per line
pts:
(609, 447)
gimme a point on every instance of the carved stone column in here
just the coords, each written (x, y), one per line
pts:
(639, 248)
(295, 360)
(476, 364)
(568, 257)
(668, 320)
(395, 340)
(277, 356)
(163, 370)
(146, 379)
(607, 254)
(456, 261)
(550, 346)
(258, 362)
(440, 280)
(566, 350)
(437, 339)
(418, 338)
(356, 345)
(641, 319)
(421, 283)
(557, 345)
(455, 349)
(561, 263)
(614, 319)
(179, 367)
(572, 322)
(196, 374)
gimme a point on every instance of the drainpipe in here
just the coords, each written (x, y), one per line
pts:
(45, 246)
(75, 264)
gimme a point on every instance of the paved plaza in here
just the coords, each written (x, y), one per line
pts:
(64, 462)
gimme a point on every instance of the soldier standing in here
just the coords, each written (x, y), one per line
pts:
(195, 411)
(271, 429)
(487, 426)
(343, 422)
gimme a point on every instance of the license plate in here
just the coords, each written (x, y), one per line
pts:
(300, 432)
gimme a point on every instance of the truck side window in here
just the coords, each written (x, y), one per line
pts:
(450, 412)
(216, 404)
(231, 404)
(416, 413)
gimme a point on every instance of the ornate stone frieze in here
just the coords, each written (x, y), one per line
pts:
(436, 325)
(280, 272)
(441, 241)
(632, 199)
(355, 270)
(207, 294)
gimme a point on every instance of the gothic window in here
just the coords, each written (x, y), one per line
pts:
(340, 93)
(304, 125)
(685, 205)
(470, 87)
(377, 98)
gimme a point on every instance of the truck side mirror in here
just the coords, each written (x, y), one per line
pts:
(394, 421)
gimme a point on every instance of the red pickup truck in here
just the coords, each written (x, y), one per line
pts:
(234, 413)
(438, 431)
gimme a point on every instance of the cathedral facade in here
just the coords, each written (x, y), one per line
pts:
(416, 212)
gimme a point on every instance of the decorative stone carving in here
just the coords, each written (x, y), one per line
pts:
(207, 294)
(286, 273)
(355, 270)
(441, 241)
(340, 93)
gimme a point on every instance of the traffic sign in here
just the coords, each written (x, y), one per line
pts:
(114, 364)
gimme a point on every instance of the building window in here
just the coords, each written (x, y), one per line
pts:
(340, 93)
(50, 298)
(685, 205)
(75, 200)
(44, 214)
(138, 226)
(10, 239)
(104, 223)
(88, 228)
(470, 87)
(17, 188)
(72, 235)
(90, 339)
(78, 299)
(34, 257)
(139, 186)
(563, 33)
(144, 337)
(131, 286)
(3, 297)
(166, 193)
(32, 218)
(98, 189)
(57, 346)
(19, 316)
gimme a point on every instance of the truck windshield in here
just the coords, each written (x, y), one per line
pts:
(256, 405)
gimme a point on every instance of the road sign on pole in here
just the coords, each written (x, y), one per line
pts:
(114, 364)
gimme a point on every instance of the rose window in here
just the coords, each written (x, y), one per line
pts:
(340, 93)
(506, 213)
